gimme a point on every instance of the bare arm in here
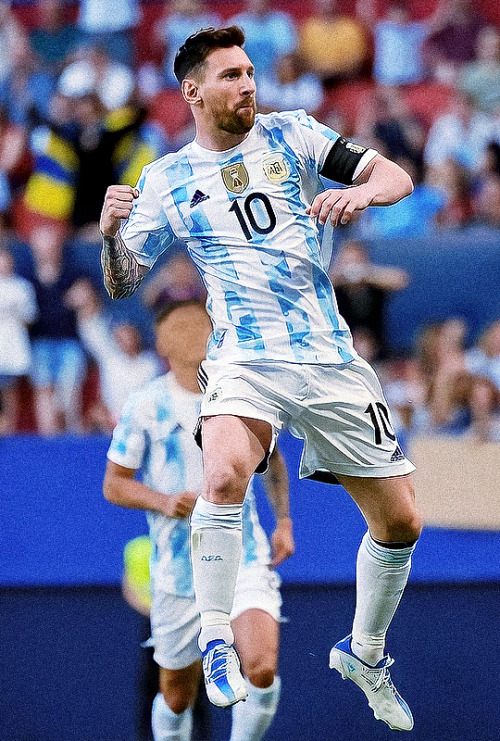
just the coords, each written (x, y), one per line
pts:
(121, 488)
(276, 485)
(122, 273)
(381, 183)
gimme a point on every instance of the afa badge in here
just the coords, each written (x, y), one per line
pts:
(276, 167)
(235, 177)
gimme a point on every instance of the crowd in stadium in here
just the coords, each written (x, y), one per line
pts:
(87, 98)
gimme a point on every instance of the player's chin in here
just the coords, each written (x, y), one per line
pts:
(246, 116)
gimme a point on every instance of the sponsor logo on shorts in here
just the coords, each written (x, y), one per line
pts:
(215, 394)
(398, 455)
(212, 558)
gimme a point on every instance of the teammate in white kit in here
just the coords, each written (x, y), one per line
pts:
(154, 435)
(247, 198)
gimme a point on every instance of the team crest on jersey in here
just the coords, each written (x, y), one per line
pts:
(235, 177)
(276, 167)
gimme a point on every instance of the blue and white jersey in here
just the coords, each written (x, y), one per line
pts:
(242, 214)
(155, 435)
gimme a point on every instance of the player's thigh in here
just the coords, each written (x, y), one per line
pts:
(233, 447)
(388, 505)
(346, 425)
(256, 637)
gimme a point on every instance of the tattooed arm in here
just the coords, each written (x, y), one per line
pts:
(122, 273)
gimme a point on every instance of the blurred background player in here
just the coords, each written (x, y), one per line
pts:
(154, 435)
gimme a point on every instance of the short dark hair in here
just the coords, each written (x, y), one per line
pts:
(194, 51)
(174, 305)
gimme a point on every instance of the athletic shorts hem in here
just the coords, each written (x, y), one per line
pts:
(240, 408)
(401, 468)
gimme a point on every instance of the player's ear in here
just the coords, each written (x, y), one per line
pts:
(190, 91)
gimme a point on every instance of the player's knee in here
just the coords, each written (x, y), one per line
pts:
(260, 672)
(226, 484)
(406, 528)
(177, 699)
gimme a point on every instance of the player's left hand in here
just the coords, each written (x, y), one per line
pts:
(339, 205)
(282, 542)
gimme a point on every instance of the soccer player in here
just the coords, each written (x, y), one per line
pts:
(154, 435)
(247, 198)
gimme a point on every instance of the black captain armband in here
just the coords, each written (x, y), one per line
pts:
(342, 160)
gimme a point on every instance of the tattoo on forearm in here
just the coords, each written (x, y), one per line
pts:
(122, 273)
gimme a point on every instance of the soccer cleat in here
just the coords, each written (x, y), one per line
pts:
(375, 681)
(223, 681)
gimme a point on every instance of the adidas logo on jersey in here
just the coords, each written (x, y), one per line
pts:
(198, 198)
(398, 455)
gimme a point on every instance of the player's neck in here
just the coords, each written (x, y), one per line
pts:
(216, 139)
(186, 377)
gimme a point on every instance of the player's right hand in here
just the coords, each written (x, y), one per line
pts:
(180, 505)
(118, 203)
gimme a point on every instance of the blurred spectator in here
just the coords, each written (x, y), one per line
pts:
(18, 309)
(487, 201)
(14, 160)
(454, 41)
(334, 46)
(95, 71)
(490, 164)
(405, 391)
(398, 41)
(447, 383)
(289, 87)
(454, 180)
(484, 405)
(387, 124)
(77, 161)
(53, 38)
(462, 134)
(181, 18)
(362, 290)
(269, 34)
(176, 280)
(11, 36)
(122, 362)
(480, 80)
(110, 24)
(27, 90)
(484, 358)
(415, 216)
(58, 360)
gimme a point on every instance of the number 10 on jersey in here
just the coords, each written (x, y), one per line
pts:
(256, 216)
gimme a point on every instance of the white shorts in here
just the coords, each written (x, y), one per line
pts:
(338, 410)
(175, 621)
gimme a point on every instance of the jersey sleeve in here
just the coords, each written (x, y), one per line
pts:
(129, 443)
(335, 158)
(147, 232)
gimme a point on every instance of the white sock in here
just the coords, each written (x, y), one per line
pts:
(167, 725)
(381, 576)
(252, 718)
(216, 550)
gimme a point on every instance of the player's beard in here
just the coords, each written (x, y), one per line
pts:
(237, 121)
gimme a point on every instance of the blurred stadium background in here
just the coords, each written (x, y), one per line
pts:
(86, 99)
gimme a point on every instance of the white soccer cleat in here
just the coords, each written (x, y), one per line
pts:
(223, 680)
(375, 681)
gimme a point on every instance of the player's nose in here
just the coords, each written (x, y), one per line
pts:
(248, 85)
